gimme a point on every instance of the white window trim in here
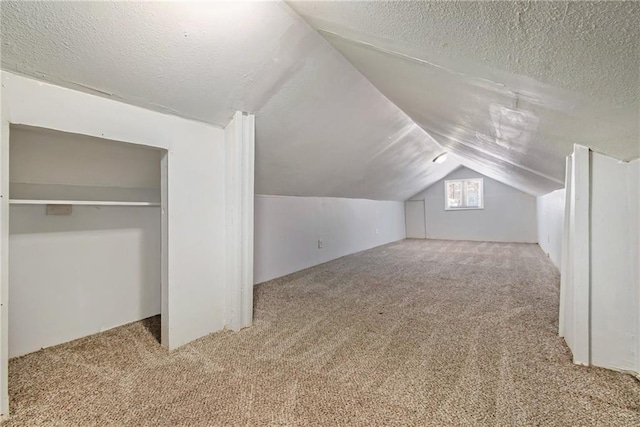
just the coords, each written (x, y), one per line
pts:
(480, 181)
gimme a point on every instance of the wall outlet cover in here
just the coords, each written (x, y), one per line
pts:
(59, 210)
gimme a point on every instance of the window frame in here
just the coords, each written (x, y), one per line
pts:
(480, 181)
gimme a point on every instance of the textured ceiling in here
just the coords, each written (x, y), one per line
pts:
(191, 59)
(322, 128)
(507, 88)
(586, 47)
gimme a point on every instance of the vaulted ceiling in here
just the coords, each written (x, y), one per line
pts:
(508, 86)
(357, 98)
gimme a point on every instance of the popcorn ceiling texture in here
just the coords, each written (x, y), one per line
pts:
(418, 332)
(587, 47)
(157, 55)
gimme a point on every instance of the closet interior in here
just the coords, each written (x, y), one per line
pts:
(84, 236)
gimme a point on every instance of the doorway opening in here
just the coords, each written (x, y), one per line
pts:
(86, 236)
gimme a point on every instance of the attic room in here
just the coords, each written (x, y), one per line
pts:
(320, 213)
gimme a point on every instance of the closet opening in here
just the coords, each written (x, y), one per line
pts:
(87, 237)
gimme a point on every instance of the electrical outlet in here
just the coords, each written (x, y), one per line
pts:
(377, 231)
(319, 244)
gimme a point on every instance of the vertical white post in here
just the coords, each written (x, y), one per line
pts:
(164, 249)
(239, 176)
(635, 197)
(231, 228)
(581, 255)
(634, 254)
(248, 178)
(4, 259)
(565, 266)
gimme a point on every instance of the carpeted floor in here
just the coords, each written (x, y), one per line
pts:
(430, 333)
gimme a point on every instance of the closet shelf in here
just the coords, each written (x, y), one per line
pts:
(79, 202)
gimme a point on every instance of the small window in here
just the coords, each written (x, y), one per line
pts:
(464, 194)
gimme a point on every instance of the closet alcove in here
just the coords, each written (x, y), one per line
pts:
(84, 236)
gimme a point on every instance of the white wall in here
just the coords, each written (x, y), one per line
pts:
(194, 286)
(195, 211)
(287, 230)
(634, 213)
(615, 290)
(239, 200)
(575, 279)
(550, 216)
(72, 276)
(43, 156)
(509, 215)
(600, 289)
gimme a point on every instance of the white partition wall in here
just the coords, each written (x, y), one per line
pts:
(600, 289)
(550, 216)
(195, 287)
(294, 233)
(239, 170)
(615, 291)
(95, 264)
(574, 326)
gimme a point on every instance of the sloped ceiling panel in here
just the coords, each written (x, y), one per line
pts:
(327, 131)
(508, 126)
(465, 116)
(590, 48)
(322, 128)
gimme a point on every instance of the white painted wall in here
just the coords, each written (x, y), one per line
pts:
(550, 217)
(239, 201)
(43, 156)
(575, 298)
(509, 215)
(634, 213)
(565, 321)
(287, 230)
(600, 288)
(196, 214)
(72, 276)
(615, 290)
(195, 187)
(194, 284)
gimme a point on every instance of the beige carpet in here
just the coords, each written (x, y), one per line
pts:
(413, 333)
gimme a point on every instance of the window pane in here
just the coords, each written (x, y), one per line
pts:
(473, 194)
(454, 194)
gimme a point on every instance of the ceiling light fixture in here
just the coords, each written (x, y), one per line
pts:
(441, 158)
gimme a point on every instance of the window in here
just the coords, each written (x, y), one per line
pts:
(464, 194)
